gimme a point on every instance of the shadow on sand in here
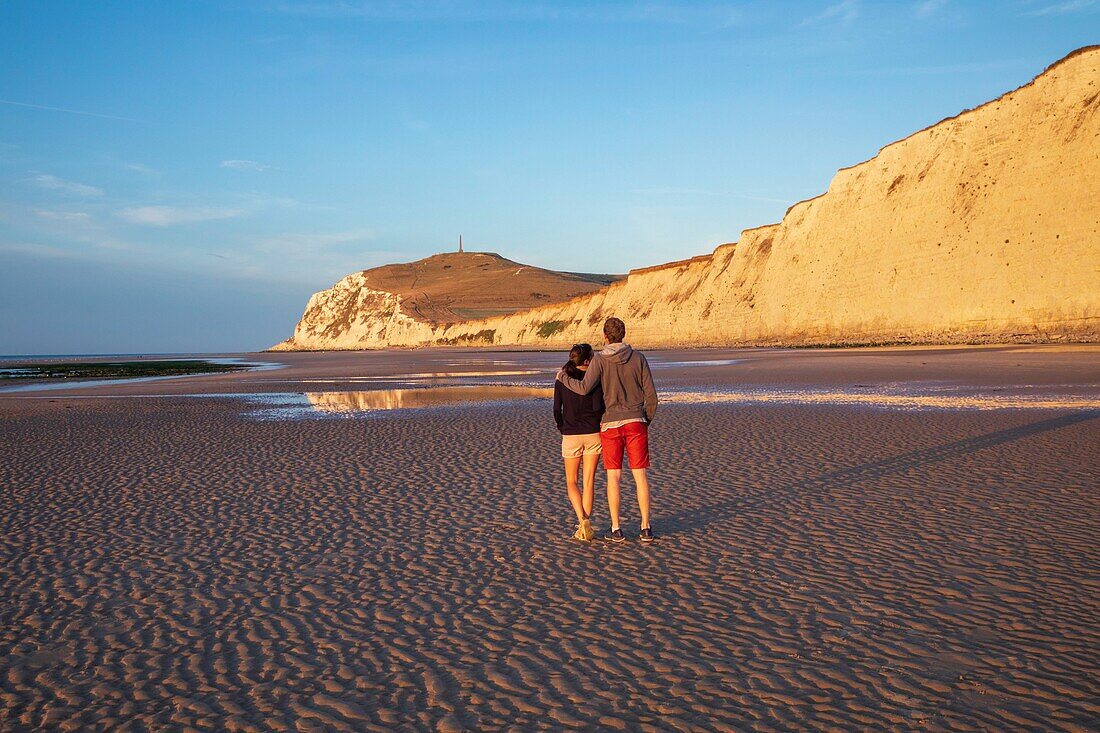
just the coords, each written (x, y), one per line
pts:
(694, 519)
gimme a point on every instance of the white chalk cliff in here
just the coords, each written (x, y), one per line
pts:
(407, 303)
(982, 228)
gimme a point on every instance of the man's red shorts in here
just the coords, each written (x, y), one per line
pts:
(633, 438)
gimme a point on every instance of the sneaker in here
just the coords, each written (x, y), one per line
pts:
(615, 535)
(586, 529)
(580, 535)
(646, 535)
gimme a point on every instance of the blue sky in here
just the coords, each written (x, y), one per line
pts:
(181, 176)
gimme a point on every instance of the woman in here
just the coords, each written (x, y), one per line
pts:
(578, 419)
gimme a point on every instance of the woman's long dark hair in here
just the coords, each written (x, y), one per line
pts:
(578, 355)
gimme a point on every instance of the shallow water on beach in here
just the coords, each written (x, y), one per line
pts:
(298, 405)
(14, 373)
(410, 378)
(896, 397)
(401, 399)
(658, 364)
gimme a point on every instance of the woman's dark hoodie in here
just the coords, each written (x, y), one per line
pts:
(577, 414)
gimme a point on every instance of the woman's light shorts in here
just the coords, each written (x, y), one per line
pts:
(575, 446)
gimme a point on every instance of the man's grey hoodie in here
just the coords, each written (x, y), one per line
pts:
(628, 390)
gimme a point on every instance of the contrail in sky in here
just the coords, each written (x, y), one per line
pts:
(69, 111)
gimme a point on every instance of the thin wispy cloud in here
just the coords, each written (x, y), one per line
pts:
(38, 250)
(244, 204)
(255, 200)
(1064, 8)
(313, 242)
(713, 14)
(928, 8)
(842, 13)
(82, 232)
(313, 256)
(141, 168)
(246, 165)
(66, 110)
(53, 183)
(70, 216)
(164, 216)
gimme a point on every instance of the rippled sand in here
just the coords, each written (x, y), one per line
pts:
(174, 563)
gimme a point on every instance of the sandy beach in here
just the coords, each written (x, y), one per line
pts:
(872, 539)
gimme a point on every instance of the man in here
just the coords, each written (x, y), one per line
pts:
(630, 401)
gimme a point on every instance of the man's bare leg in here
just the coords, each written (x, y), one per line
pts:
(641, 481)
(614, 475)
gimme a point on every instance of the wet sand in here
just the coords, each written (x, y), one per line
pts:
(174, 562)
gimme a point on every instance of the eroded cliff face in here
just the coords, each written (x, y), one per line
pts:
(982, 228)
(353, 315)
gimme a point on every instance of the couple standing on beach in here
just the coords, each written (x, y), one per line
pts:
(603, 404)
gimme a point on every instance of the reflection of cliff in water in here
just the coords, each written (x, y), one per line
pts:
(397, 399)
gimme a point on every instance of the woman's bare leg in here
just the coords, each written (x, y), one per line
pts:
(571, 466)
(591, 463)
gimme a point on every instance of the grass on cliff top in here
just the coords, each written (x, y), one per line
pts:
(117, 369)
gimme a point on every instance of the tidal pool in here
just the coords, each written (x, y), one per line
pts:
(306, 404)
